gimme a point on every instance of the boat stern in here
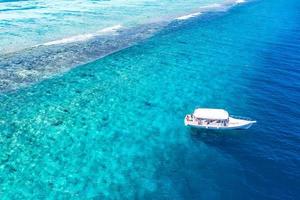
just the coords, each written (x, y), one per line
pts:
(187, 120)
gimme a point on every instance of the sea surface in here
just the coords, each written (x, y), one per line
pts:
(92, 106)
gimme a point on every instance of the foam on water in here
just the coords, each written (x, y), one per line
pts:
(84, 37)
(240, 1)
(214, 7)
(185, 17)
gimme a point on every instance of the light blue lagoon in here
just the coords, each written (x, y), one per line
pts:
(25, 23)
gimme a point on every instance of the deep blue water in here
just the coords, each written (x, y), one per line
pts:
(113, 128)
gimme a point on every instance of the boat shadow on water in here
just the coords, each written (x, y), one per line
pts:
(218, 138)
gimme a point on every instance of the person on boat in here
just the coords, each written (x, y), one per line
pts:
(225, 122)
(188, 118)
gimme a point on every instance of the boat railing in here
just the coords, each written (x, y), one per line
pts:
(241, 117)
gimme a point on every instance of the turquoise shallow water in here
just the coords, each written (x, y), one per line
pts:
(113, 128)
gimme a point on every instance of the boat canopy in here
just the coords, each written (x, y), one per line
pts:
(213, 114)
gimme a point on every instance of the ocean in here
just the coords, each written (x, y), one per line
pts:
(92, 106)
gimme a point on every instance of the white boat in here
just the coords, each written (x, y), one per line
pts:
(208, 118)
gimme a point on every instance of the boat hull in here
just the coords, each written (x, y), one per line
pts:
(234, 124)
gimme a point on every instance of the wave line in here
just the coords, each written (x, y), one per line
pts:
(84, 37)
